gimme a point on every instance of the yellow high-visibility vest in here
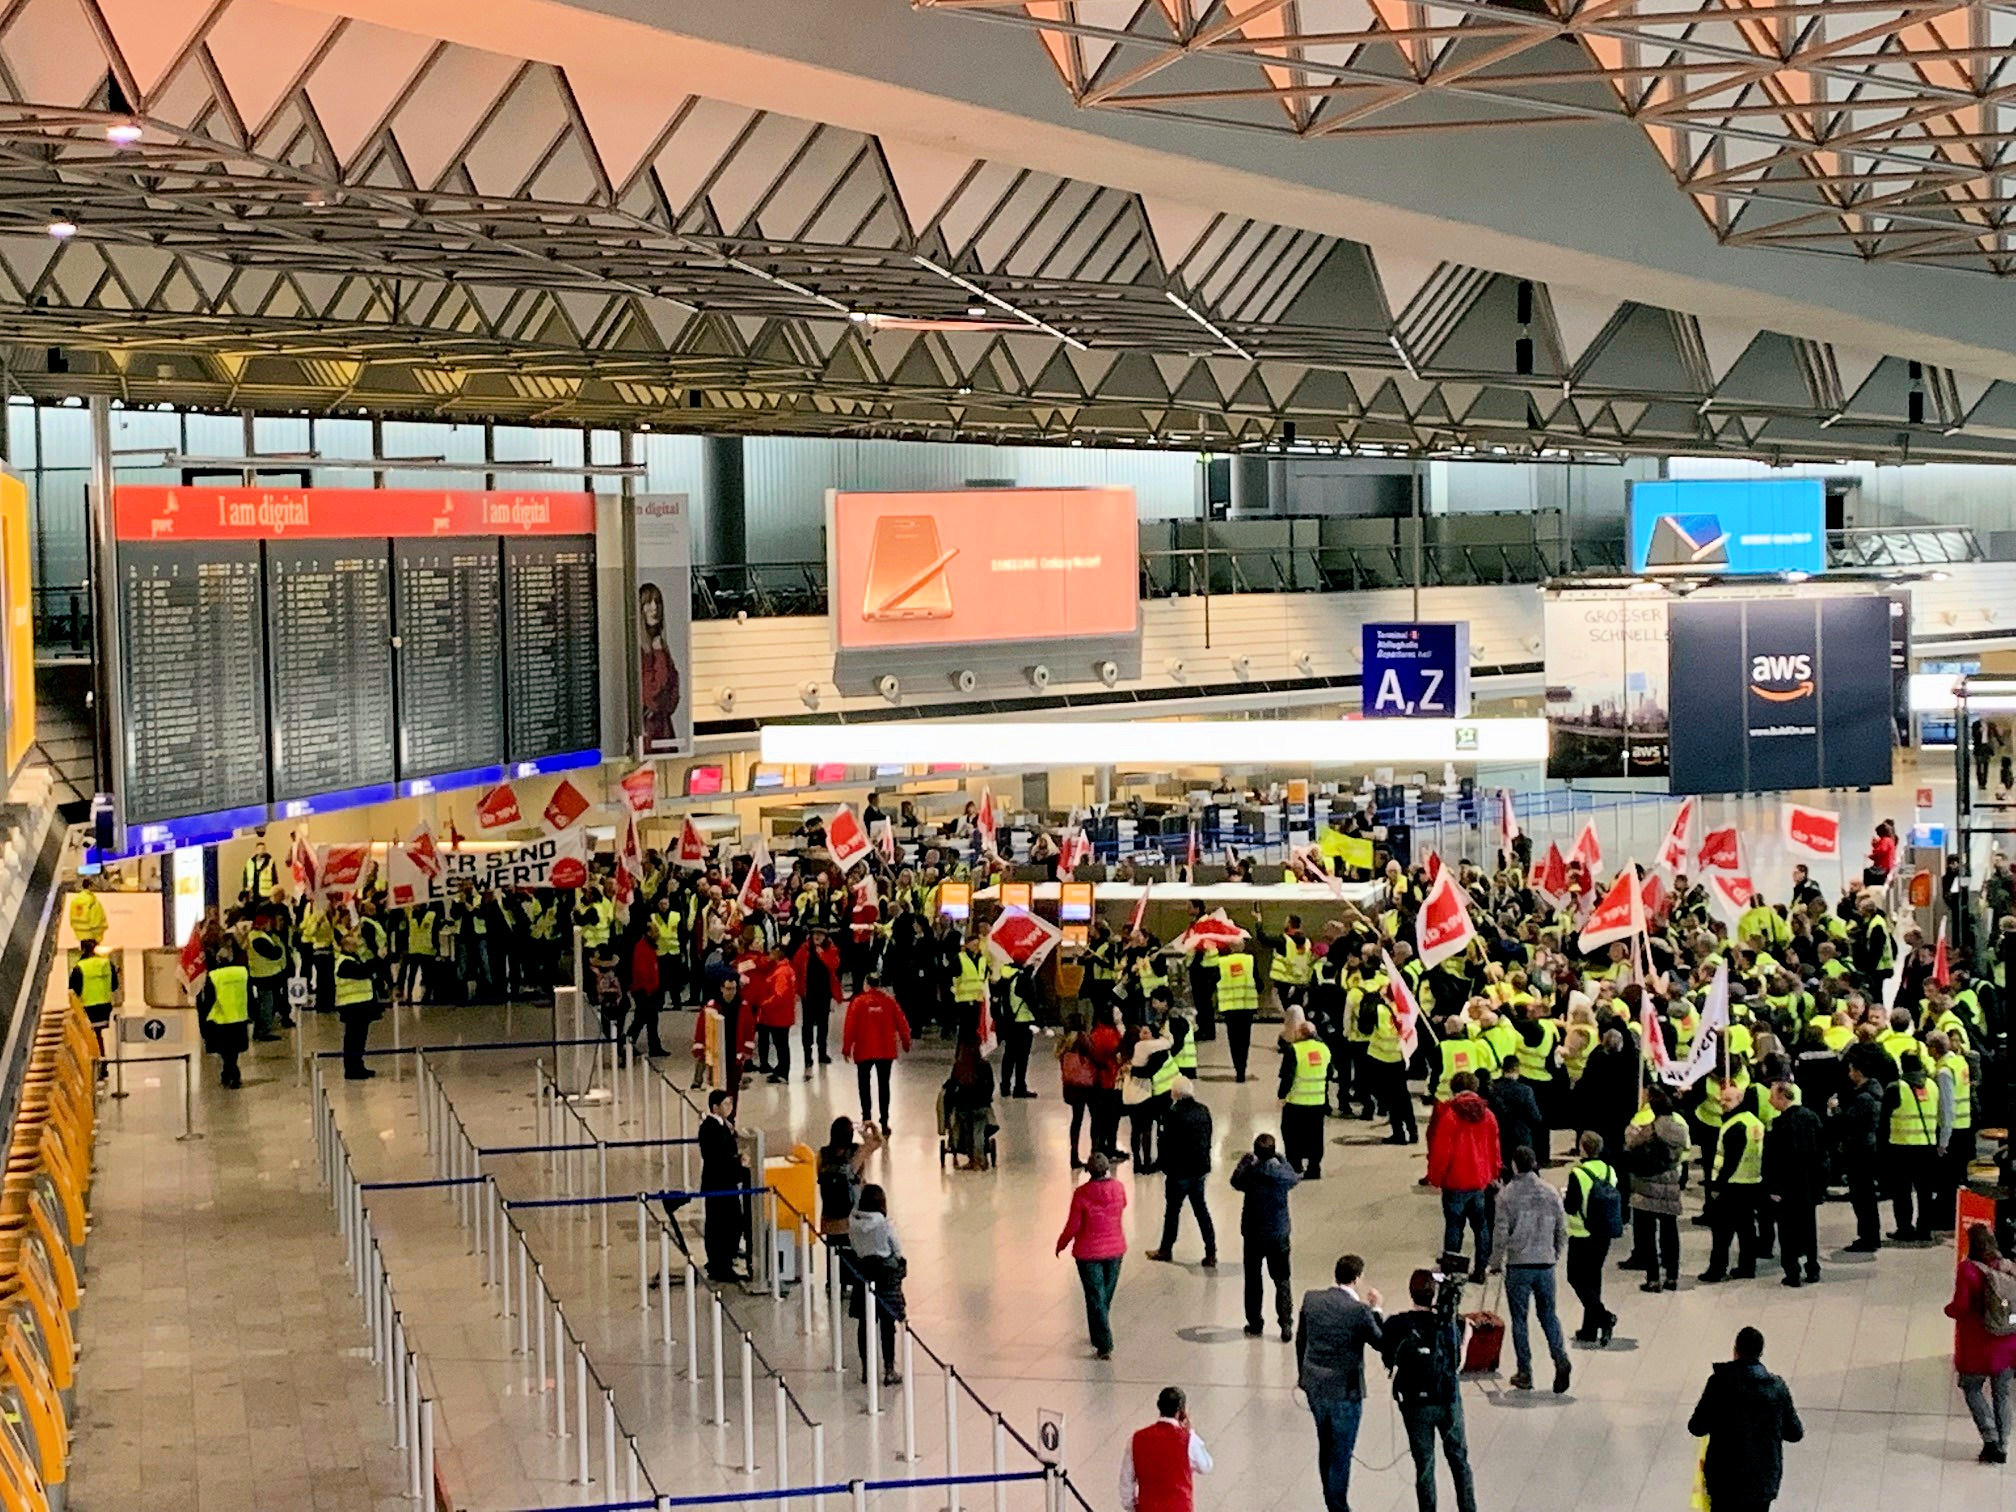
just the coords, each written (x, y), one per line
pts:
(1963, 1088)
(1915, 1119)
(229, 993)
(96, 988)
(1291, 962)
(1237, 990)
(1750, 1169)
(970, 984)
(1311, 1086)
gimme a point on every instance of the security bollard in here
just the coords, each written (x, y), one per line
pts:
(749, 1466)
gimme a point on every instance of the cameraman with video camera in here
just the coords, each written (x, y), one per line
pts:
(1423, 1349)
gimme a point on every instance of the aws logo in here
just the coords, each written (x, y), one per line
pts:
(1782, 679)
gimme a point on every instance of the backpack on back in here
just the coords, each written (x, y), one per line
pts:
(1602, 1209)
(1998, 1301)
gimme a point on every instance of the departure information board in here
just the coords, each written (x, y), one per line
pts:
(329, 652)
(550, 648)
(451, 657)
(288, 651)
(194, 694)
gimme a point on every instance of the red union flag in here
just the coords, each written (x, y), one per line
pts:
(846, 840)
(1654, 894)
(750, 898)
(1406, 1011)
(986, 823)
(1214, 930)
(423, 852)
(301, 862)
(692, 846)
(640, 789)
(629, 861)
(1722, 850)
(565, 808)
(1443, 928)
(191, 962)
(1588, 850)
(1619, 916)
(1679, 842)
(1021, 939)
(1652, 1036)
(339, 867)
(1550, 877)
(1942, 969)
(1811, 832)
(498, 808)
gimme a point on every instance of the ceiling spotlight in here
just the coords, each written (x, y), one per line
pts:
(62, 230)
(123, 133)
(976, 312)
(1796, 576)
(314, 199)
(859, 317)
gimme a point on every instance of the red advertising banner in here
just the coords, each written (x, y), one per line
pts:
(159, 513)
(971, 566)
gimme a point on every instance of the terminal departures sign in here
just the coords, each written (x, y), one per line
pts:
(219, 735)
(1771, 694)
(1416, 671)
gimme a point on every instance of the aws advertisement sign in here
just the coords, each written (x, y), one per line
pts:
(1770, 694)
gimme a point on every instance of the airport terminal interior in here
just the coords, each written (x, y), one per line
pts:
(1012, 755)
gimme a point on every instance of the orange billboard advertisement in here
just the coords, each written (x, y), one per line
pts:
(978, 567)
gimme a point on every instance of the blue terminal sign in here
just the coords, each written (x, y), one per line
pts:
(1735, 527)
(1415, 671)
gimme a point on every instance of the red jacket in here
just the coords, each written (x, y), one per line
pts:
(801, 960)
(874, 1029)
(1093, 1228)
(1103, 1042)
(644, 967)
(1463, 1145)
(738, 1026)
(1975, 1350)
(773, 988)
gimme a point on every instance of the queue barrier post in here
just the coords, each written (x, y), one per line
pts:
(539, 1275)
(781, 1407)
(643, 1261)
(833, 1307)
(748, 1362)
(608, 1437)
(909, 1395)
(720, 1418)
(860, 1494)
(1000, 1464)
(871, 1349)
(665, 1289)
(602, 1189)
(581, 1434)
(819, 1465)
(952, 1435)
(685, 1149)
(692, 1328)
(524, 1295)
(635, 1471)
(423, 1464)
(559, 1370)
(805, 1287)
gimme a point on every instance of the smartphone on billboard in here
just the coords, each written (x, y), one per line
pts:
(906, 571)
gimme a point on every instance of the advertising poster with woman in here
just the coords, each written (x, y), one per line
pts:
(662, 625)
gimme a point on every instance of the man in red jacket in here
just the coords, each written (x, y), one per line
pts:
(1463, 1161)
(1159, 1470)
(772, 990)
(872, 1035)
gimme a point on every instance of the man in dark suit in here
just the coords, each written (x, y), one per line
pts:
(1747, 1416)
(1330, 1341)
(722, 1170)
(1795, 1176)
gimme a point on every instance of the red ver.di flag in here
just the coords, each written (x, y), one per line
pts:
(1679, 842)
(191, 963)
(1811, 832)
(1020, 938)
(1619, 916)
(846, 840)
(340, 867)
(1721, 850)
(1406, 1011)
(1214, 931)
(692, 846)
(640, 790)
(1443, 928)
(750, 898)
(1550, 877)
(422, 851)
(565, 808)
(498, 808)
(1588, 850)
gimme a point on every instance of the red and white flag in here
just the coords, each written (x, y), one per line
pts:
(1651, 1036)
(640, 789)
(1942, 969)
(564, 809)
(1679, 842)
(1443, 927)
(750, 898)
(1619, 916)
(1654, 895)
(1508, 820)
(1306, 863)
(1588, 851)
(985, 822)
(1140, 909)
(1729, 887)
(191, 963)
(1020, 938)
(692, 851)
(1406, 1011)
(1811, 832)
(1073, 850)
(423, 852)
(883, 835)
(301, 862)
(1190, 857)
(1434, 866)
(498, 808)
(1214, 930)
(1721, 850)
(1550, 877)
(339, 868)
(846, 840)
(629, 861)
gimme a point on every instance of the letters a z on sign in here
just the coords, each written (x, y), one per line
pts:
(1782, 679)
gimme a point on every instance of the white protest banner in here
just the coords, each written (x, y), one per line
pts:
(559, 861)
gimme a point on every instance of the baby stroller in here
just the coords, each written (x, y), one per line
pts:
(967, 1132)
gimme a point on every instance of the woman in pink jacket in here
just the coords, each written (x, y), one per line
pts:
(1098, 1240)
(1984, 1361)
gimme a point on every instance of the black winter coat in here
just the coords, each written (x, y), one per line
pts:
(1746, 1414)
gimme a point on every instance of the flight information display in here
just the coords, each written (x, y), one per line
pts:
(194, 685)
(329, 639)
(551, 654)
(287, 651)
(451, 657)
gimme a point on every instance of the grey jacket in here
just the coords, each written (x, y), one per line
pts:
(1330, 1340)
(1532, 1228)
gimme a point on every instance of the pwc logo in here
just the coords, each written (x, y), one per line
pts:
(1782, 679)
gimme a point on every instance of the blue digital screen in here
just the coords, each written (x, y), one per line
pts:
(1728, 526)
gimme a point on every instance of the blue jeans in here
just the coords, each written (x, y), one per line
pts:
(1099, 1278)
(1458, 1209)
(1423, 1424)
(1534, 1282)
(1336, 1438)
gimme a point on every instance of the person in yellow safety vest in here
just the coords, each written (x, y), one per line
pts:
(970, 983)
(666, 930)
(1938, 1015)
(1735, 1172)
(1500, 1039)
(87, 917)
(318, 942)
(1578, 1038)
(1837, 1033)
(1017, 1028)
(1759, 923)
(1587, 1251)
(1917, 1125)
(1686, 1024)
(1967, 1003)
(416, 965)
(597, 918)
(94, 983)
(1708, 1113)
(1305, 1099)
(223, 1004)
(1237, 996)
(266, 965)
(356, 1004)
(1898, 1040)
(1539, 1036)
(1293, 962)
(258, 873)
(1459, 1053)
(1832, 967)
(1388, 1057)
(1184, 1056)
(1364, 977)
(1956, 1080)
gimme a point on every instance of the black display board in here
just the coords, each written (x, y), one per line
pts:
(194, 694)
(329, 636)
(451, 656)
(550, 649)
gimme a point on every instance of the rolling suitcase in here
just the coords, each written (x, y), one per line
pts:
(1483, 1340)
